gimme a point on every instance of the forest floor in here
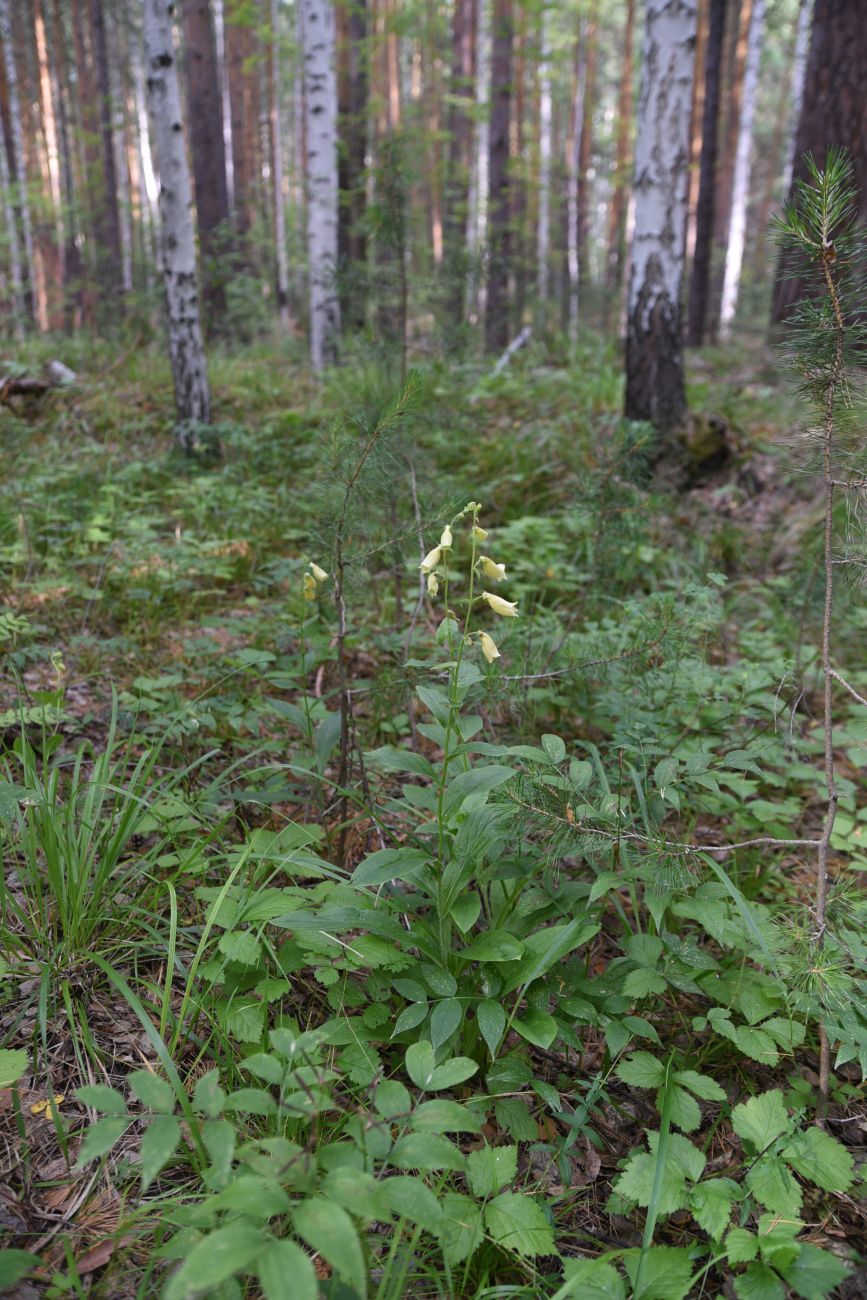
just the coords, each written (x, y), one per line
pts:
(171, 731)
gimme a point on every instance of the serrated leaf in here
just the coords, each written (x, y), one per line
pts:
(241, 946)
(358, 1192)
(592, 1279)
(641, 1070)
(773, 1185)
(281, 1260)
(741, 1246)
(684, 1109)
(159, 1143)
(711, 1205)
(756, 1044)
(428, 1151)
(410, 1199)
(328, 1230)
(208, 1095)
(682, 1154)
(700, 1085)
(245, 1019)
(102, 1098)
(445, 1019)
(815, 1273)
(664, 1274)
(636, 1184)
(101, 1137)
(15, 1264)
(491, 1017)
(250, 1101)
(264, 1066)
(219, 1138)
(642, 982)
(517, 1223)
(152, 1091)
(761, 1120)
(461, 1233)
(392, 1098)
(491, 1168)
(821, 1159)
(758, 1282)
(788, 1033)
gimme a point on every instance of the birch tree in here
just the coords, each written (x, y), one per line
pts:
(741, 178)
(177, 238)
(655, 388)
(320, 101)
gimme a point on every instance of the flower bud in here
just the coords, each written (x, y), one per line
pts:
(433, 585)
(505, 608)
(309, 587)
(489, 649)
(431, 560)
(446, 539)
(479, 533)
(319, 574)
(496, 572)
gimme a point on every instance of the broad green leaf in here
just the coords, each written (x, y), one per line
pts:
(251, 1101)
(159, 1143)
(328, 1230)
(538, 1027)
(401, 760)
(241, 946)
(554, 747)
(15, 1264)
(102, 1098)
(461, 1231)
(641, 1070)
(411, 1017)
(685, 1113)
(101, 1137)
(761, 1120)
(420, 1063)
(390, 864)
(465, 911)
(428, 1151)
(517, 1223)
(264, 1066)
(208, 1096)
(478, 780)
(758, 1282)
(281, 1261)
(741, 1246)
(410, 1199)
(545, 948)
(665, 1273)
(774, 1186)
(494, 945)
(591, 1279)
(254, 1195)
(453, 1072)
(219, 1137)
(392, 1098)
(491, 1168)
(491, 1017)
(215, 1259)
(358, 1192)
(711, 1205)
(700, 1085)
(152, 1091)
(821, 1159)
(13, 1064)
(444, 1020)
(642, 982)
(788, 1033)
(815, 1273)
(444, 1116)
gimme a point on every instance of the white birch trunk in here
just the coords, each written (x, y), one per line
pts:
(543, 232)
(177, 239)
(655, 389)
(320, 102)
(573, 159)
(741, 175)
(799, 73)
(477, 198)
(18, 172)
(277, 172)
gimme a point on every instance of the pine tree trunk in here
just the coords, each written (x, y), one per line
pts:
(118, 78)
(799, 74)
(833, 112)
(280, 236)
(620, 181)
(109, 247)
(655, 389)
(517, 179)
(353, 85)
(177, 242)
(72, 282)
(207, 150)
(741, 178)
(239, 50)
(585, 155)
(320, 96)
(699, 287)
(41, 160)
(696, 119)
(460, 149)
(477, 199)
(543, 228)
(15, 147)
(496, 308)
(573, 164)
(16, 276)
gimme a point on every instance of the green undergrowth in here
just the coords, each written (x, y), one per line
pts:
(452, 997)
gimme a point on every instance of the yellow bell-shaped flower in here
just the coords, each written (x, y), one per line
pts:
(319, 574)
(431, 560)
(446, 539)
(505, 608)
(496, 572)
(489, 649)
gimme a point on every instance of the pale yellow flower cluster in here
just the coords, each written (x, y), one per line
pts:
(493, 571)
(312, 580)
